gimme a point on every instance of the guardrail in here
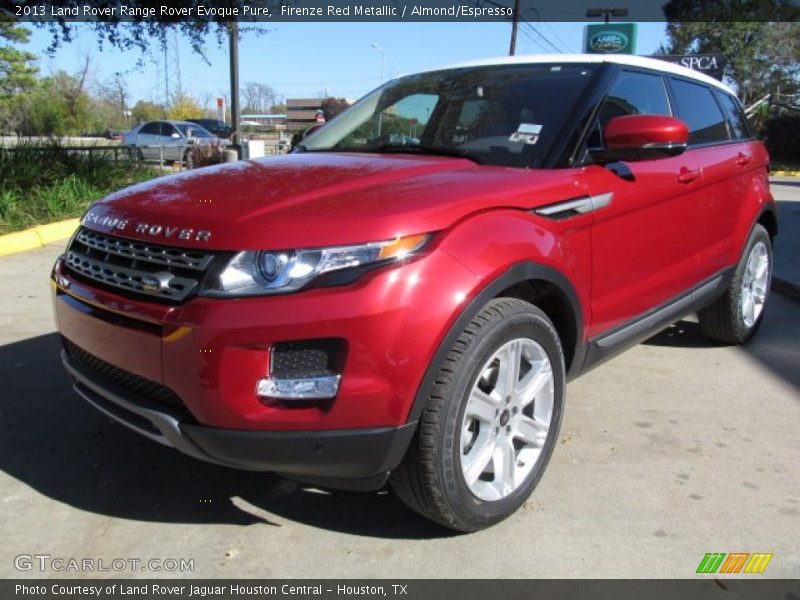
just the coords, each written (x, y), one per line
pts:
(134, 153)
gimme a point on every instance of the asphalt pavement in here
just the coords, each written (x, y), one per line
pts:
(674, 449)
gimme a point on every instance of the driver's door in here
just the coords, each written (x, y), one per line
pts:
(643, 241)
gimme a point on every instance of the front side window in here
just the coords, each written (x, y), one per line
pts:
(632, 94)
(189, 130)
(507, 115)
(695, 105)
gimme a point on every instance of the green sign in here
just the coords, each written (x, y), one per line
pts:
(611, 38)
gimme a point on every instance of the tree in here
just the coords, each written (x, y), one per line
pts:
(257, 97)
(148, 111)
(278, 109)
(761, 56)
(333, 106)
(143, 25)
(17, 73)
(184, 107)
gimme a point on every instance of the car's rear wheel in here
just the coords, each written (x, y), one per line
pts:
(490, 422)
(737, 314)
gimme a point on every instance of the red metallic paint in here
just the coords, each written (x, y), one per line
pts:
(649, 244)
(638, 131)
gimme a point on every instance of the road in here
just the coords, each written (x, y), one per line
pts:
(672, 450)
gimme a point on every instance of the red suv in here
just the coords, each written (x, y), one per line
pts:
(404, 297)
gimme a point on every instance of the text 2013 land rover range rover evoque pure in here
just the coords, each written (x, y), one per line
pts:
(403, 298)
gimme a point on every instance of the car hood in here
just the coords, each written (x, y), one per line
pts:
(318, 199)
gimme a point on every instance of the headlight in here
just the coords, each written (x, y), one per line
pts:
(253, 273)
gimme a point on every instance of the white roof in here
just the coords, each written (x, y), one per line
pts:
(620, 59)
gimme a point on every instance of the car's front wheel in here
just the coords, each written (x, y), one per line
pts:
(737, 314)
(490, 422)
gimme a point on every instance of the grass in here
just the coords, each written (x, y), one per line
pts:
(45, 182)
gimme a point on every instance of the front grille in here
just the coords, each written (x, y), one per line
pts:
(310, 358)
(139, 386)
(163, 272)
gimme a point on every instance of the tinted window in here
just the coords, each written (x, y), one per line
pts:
(635, 94)
(506, 115)
(696, 106)
(735, 116)
(167, 129)
(188, 131)
(631, 94)
(150, 129)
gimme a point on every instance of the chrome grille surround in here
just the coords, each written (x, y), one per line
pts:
(164, 272)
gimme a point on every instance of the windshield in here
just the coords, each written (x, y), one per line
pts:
(501, 115)
(192, 130)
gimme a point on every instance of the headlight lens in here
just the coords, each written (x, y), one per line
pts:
(251, 273)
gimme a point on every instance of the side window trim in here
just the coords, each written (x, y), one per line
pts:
(737, 107)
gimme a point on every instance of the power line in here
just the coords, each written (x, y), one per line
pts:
(532, 30)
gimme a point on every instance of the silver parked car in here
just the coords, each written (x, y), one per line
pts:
(167, 140)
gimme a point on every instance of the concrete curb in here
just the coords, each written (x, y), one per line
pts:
(36, 237)
(786, 288)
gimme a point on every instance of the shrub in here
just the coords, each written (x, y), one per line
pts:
(44, 182)
(204, 155)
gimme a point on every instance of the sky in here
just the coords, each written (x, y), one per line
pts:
(311, 59)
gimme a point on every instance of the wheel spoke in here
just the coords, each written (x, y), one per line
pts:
(508, 373)
(531, 431)
(533, 382)
(505, 467)
(482, 406)
(478, 458)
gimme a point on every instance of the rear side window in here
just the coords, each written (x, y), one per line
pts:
(696, 106)
(735, 115)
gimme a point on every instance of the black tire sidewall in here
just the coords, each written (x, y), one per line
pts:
(477, 513)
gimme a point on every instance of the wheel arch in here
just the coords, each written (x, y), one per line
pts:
(538, 284)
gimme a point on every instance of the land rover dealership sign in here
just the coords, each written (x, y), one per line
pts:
(611, 38)
(712, 65)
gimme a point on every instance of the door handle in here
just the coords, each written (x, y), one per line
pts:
(743, 159)
(687, 176)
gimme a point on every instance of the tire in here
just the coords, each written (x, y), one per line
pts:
(135, 154)
(468, 409)
(736, 315)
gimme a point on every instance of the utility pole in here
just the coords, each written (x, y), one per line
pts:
(514, 26)
(233, 34)
(166, 72)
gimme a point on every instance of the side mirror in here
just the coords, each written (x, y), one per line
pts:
(642, 137)
(175, 135)
(314, 128)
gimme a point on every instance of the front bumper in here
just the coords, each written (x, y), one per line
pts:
(359, 458)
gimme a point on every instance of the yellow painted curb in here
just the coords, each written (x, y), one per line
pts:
(785, 173)
(54, 232)
(36, 237)
(20, 241)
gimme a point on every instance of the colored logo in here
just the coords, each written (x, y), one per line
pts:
(735, 562)
(608, 41)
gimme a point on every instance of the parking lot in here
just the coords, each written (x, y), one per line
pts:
(672, 450)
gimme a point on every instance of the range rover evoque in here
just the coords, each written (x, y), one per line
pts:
(403, 298)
